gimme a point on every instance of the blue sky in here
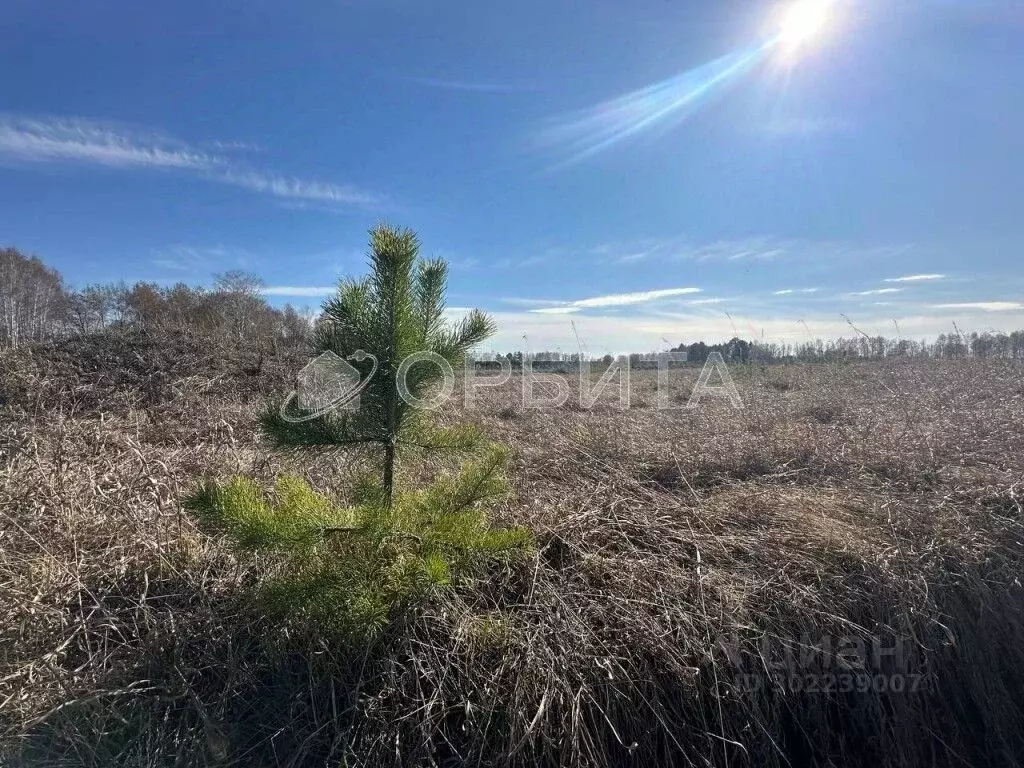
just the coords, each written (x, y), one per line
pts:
(650, 170)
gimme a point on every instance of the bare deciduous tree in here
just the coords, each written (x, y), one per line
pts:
(240, 301)
(32, 298)
(95, 307)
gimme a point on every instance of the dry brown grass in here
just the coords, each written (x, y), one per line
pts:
(678, 551)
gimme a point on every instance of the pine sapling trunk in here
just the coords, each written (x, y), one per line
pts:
(389, 473)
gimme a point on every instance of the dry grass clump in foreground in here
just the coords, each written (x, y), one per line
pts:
(692, 567)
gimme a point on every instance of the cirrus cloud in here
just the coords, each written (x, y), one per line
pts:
(984, 306)
(76, 141)
(612, 300)
(877, 292)
(913, 278)
(790, 291)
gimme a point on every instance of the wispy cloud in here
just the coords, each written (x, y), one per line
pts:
(234, 146)
(744, 249)
(682, 248)
(633, 253)
(757, 248)
(300, 290)
(72, 140)
(984, 306)
(565, 309)
(613, 300)
(790, 291)
(913, 278)
(86, 142)
(620, 299)
(760, 250)
(298, 189)
(877, 292)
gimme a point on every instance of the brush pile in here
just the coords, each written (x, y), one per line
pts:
(126, 369)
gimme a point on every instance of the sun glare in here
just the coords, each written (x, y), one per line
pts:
(803, 21)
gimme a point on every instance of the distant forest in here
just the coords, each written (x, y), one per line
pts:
(36, 305)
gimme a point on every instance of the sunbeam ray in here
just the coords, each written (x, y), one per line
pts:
(589, 131)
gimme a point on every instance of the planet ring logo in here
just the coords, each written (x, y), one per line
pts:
(326, 384)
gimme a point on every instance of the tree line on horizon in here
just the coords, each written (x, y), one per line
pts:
(946, 346)
(36, 305)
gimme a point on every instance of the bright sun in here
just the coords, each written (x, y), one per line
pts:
(802, 21)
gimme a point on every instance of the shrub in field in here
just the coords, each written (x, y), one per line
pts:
(349, 567)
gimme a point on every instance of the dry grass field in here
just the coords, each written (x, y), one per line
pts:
(696, 573)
